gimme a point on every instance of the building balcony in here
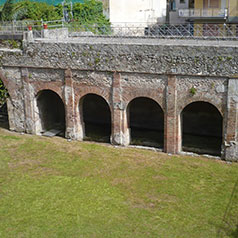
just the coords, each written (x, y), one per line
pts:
(210, 13)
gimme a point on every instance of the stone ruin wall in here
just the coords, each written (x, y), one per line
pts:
(120, 73)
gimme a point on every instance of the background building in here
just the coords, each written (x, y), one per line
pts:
(137, 11)
(211, 11)
(174, 7)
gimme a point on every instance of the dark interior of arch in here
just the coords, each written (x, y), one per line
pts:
(146, 122)
(202, 128)
(3, 106)
(51, 111)
(4, 116)
(97, 118)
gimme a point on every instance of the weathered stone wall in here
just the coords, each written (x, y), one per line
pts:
(153, 58)
(15, 103)
(172, 74)
(209, 89)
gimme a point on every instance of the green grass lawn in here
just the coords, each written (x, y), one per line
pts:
(50, 187)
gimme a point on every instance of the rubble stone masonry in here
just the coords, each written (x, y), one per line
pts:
(120, 71)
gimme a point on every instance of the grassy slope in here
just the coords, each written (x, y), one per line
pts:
(54, 188)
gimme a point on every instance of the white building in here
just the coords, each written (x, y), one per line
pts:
(137, 12)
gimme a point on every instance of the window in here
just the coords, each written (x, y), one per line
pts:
(210, 4)
(191, 3)
(173, 5)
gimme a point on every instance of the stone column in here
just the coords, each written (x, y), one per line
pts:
(231, 121)
(172, 130)
(45, 33)
(120, 132)
(28, 97)
(72, 130)
(29, 36)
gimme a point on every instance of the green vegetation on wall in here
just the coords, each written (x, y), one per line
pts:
(3, 93)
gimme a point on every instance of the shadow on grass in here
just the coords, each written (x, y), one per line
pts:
(228, 231)
(235, 233)
(229, 226)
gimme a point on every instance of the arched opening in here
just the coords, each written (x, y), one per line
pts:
(146, 122)
(201, 128)
(96, 117)
(51, 113)
(3, 106)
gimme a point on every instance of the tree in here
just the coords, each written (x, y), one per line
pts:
(90, 15)
(35, 11)
(7, 10)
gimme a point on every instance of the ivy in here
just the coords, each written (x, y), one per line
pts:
(3, 93)
(193, 91)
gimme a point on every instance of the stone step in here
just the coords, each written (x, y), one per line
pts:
(52, 132)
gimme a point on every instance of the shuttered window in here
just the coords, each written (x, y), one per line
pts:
(211, 3)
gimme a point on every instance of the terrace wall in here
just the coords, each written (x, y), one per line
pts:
(172, 73)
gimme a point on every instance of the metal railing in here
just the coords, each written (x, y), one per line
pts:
(198, 31)
(77, 29)
(192, 31)
(17, 26)
(22, 26)
(203, 13)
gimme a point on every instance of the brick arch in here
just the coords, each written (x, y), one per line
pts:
(57, 108)
(129, 100)
(96, 114)
(99, 92)
(50, 88)
(192, 100)
(201, 127)
(103, 97)
(145, 118)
